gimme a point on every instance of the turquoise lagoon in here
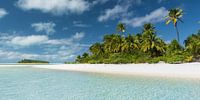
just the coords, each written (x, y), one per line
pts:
(42, 84)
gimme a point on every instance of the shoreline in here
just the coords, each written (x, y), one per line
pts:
(187, 70)
(190, 70)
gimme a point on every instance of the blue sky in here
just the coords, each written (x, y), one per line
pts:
(59, 30)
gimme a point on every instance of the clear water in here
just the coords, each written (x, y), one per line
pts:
(40, 84)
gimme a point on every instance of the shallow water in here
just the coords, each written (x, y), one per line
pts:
(42, 84)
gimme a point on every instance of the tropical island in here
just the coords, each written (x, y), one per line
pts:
(144, 47)
(29, 61)
(99, 50)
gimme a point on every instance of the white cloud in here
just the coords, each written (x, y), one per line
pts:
(137, 2)
(65, 28)
(61, 55)
(99, 2)
(78, 36)
(3, 12)
(29, 40)
(119, 11)
(13, 55)
(154, 17)
(116, 12)
(54, 50)
(47, 27)
(70, 41)
(80, 24)
(56, 7)
(25, 41)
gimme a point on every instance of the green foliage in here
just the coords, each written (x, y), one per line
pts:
(156, 60)
(120, 58)
(97, 49)
(192, 44)
(145, 47)
(130, 44)
(71, 62)
(151, 43)
(113, 43)
(174, 47)
(178, 57)
(189, 59)
(33, 61)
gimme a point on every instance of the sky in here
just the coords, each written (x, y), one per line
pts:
(59, 30)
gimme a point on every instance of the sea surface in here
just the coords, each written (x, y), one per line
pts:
(42, 84)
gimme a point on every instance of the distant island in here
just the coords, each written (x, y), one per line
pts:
(28, 61)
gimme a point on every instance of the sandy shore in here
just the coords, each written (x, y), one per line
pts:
(191, 70)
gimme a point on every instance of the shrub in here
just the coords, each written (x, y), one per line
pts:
(189, 59)
(156, 60)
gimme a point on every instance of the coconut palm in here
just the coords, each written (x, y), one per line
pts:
(113, 43)
(148, 27)
(130, 44)
(174, 47)
(174, 16)
(151, 43)
(85, 55)
(192, 44)
(78, 58)
(97, 49)
(121, 27)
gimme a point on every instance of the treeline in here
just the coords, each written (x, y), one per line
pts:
(33, 61)
(145, 47)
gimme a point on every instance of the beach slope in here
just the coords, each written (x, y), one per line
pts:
(190, 70)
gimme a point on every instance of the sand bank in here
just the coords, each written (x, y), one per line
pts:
(190, 70)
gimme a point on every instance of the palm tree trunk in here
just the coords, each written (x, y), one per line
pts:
(177, 32)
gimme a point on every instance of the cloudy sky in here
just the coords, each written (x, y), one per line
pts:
(59, 30)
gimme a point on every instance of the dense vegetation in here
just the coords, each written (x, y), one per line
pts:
(33, 61)
(145, 47)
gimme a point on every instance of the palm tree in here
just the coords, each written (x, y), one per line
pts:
(121, 27)
(192, 44)
(138, 40)
(174, 47)
(151, 43)
(130, 44)
(78, 58)
(85, 55)
(174, 16)
(97, 49)
(149, 28)
(113, 43)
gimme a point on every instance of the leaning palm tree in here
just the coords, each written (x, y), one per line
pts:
(174, 16)
(121, 27)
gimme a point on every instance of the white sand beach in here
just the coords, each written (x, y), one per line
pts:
(188, 70)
